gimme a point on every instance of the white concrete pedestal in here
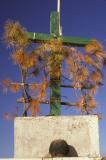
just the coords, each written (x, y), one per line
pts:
(73, 158)
(33, 136)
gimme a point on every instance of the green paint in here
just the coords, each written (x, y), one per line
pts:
(39, 37)
(54, 24)
(74, 41)
(55, 96)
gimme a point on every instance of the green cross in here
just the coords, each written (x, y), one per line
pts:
(55, 96)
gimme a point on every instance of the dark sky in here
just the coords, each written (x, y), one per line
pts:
(82, 18)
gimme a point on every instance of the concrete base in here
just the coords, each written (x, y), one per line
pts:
(72, 158)
(33, 135)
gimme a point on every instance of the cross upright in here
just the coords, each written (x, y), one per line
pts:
(55, 84)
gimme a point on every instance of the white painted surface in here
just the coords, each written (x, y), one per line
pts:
(79, 158)
(34, 135)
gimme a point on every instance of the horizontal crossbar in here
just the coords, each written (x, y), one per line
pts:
(74, 41)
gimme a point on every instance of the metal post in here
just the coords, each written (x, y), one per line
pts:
(58, 10)
(58, 6)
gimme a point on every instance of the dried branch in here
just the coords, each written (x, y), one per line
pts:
(78, 87)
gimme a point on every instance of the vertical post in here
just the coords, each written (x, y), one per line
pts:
(58, 10)
(58, 6)
(55, 97)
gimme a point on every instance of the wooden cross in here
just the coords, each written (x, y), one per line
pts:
(55, 84)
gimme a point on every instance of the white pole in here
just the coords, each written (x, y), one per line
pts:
(58, 6)
(58, 10)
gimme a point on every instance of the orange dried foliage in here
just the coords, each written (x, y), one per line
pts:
(88, 59)
(72, 66)
(84, 71)
(81, 102)
(23, 59)
(42, 94)
(91, 62)
(31, 61)
(99, 116)
(34, 107)
(15, 87)
(42, 90)
(54, 46)
(82, 74)
(92, 103)
(15, 35)
(100, 55)
(44, 85)
(55, 72)
(80, 66)
(86, 104)
(93, 90)
(33, 86)
(96, 77)
(93, 46)
(6, 83)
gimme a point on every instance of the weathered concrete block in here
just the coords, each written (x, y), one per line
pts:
(21, 159)
(63, 158)
(73, 158)
(34, 135)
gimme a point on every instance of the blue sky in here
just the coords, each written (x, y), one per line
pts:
(82, 18)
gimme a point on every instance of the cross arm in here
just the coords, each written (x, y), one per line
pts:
(38, 37)
(74, 41)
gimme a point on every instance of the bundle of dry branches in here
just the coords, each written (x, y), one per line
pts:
(85, 69)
